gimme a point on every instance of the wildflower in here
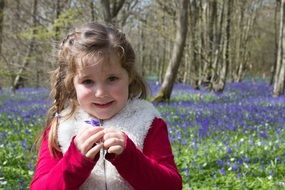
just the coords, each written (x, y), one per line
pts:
(222, 171)
(235, 167)
(229, 150)
(94, 122)
(220, 163)
(263, 134)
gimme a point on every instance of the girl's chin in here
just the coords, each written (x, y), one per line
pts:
(102, 116)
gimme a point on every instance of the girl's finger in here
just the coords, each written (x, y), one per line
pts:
(95, 138)
(112, 142)
(94, 151)
(116, 149)
(86, 133)
(81, 138)
(113, 133)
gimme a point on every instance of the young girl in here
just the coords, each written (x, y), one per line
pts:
(128, 148)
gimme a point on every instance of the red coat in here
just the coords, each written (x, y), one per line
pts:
(151, 169)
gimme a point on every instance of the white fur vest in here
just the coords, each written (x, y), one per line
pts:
(135, 120)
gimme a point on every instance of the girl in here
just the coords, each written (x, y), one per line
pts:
(129, 147)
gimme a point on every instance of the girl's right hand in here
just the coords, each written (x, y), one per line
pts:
(89, 141)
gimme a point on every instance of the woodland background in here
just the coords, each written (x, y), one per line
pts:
(198, 42)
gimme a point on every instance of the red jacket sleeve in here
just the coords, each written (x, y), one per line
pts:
(65, 172)
(154, 167)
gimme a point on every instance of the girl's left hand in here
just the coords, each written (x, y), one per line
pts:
(114, 141)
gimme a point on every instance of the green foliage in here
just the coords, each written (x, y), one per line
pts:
(16, 152)
(41, 32)
(199, 163)
(6, 73)
(66, 19)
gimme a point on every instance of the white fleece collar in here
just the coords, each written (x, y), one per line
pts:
(135, 120)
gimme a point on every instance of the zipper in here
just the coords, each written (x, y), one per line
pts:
(104, 160)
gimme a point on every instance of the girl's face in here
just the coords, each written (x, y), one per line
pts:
(102, 89)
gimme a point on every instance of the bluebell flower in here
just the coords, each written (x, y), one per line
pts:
(220, 163)
(235, 167)
(263, 134)
(94, 122)
(222, 171)
(229, 150)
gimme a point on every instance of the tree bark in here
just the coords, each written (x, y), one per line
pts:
(2, 7)
(92, 11)
(219, 87)
(273, 70)
(111, 10)
(19, 80)
(172, 69)
(195, 44)
(219, 52)
(279, 79)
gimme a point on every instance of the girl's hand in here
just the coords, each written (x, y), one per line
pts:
(114, 141)
(89, 141)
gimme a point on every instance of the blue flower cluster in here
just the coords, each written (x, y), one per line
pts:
(238, 133)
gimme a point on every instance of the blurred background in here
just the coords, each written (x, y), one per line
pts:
(207, 42)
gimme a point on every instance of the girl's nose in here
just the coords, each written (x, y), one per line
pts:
(100, 90)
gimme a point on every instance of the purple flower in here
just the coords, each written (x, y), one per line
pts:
(94, 122)
(235, 167)
(222, 171)
(229, 150)
(220, 163)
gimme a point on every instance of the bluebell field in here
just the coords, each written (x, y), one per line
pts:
(233, 140)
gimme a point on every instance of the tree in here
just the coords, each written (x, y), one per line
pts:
(223, 72)
(117, 12)
(19, 79)
(110, 12)
(2, 6)
(172, 69)
(279, 77)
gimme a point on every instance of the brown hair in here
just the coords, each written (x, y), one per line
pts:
(90, 40)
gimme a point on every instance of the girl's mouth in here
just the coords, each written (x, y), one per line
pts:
(104, 105)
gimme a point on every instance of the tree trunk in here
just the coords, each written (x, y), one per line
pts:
(246, 25)
(2, 7)
(195, 44)
(277, 41)
(172, 69)
(204, 47)
(219, 87)
(92, 7)
(111, 10)
(279, 79)
(219, 52)
(58, 11)
(19, 79)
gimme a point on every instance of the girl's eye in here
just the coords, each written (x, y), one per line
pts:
(113, 78)
(87, 82)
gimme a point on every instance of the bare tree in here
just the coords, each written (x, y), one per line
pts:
(19, 80)
(2, 6)
(172, 69)
(273, 69)
(195, 46)
(279, 78)
(219, 85)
